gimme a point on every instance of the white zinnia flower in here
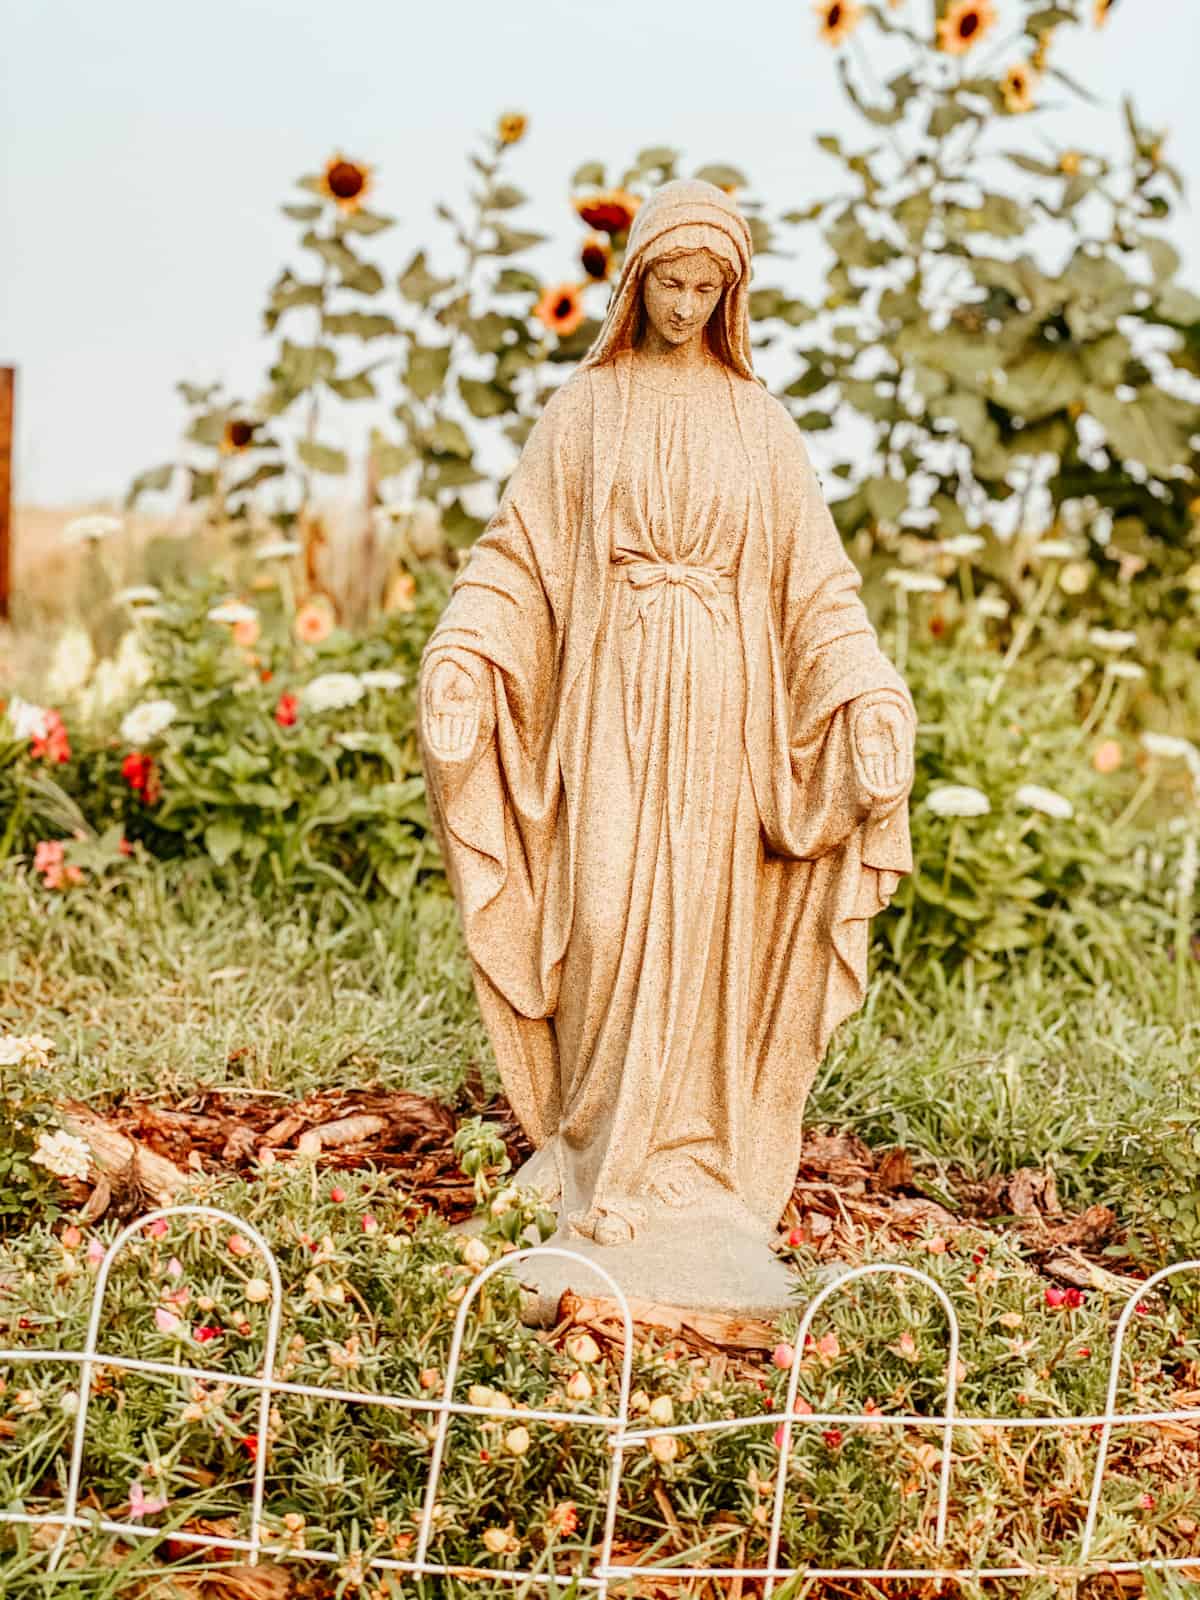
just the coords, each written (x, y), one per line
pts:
(1054, 550)
(233, 611)
(382, 678)
(1170, 748)
(1125, 669)
(332, 690)
(958, 800)
(138, 594)
(278, 550)
(993, 605)
(962, 544)
(72, 663)
(913, 582)
(63, 1154)
(95, 527)
(1112, 639)
(146, 721)
(28, 721)
(1035, 798)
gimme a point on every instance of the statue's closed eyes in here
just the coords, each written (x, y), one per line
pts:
(669, 768)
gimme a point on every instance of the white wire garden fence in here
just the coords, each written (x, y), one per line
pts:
(601, 1573)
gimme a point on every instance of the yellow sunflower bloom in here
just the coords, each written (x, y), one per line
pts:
(346, 182)
(596, 256)
(965, 23)
(838, 19)
(1017, 87)
(511, 127)
(238, 436)
(1101, 11)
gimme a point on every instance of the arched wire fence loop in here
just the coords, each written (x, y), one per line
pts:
(603, 1572)
(71, 1518)
(617, 1426)
(875, 1269)
(1110, 1401)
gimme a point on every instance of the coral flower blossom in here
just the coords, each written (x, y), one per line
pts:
(560, 308)
(1107, 756)
(838, 19)
(346, 182)
(608, 210)
(246, 631)
(48, 860)
(964, 25)
(314, 622)
(1017, 87)
(52, 743)
(286, 711)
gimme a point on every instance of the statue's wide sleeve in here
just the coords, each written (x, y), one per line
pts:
(832, 665)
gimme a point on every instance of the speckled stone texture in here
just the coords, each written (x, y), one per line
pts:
(669, 768)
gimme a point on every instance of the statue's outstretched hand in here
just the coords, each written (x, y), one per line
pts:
(883, 742)
(451, 712)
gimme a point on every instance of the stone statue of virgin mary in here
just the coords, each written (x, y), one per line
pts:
(668, 766)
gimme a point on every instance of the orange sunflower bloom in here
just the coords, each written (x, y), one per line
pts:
(608, 210)
(346, 182)
(511, 127)
(1017, 87)
(561, 308)
(238, 435)
(965, 23)
(838, 19)
(596, 256)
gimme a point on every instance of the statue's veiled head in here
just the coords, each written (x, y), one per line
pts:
(687, 266)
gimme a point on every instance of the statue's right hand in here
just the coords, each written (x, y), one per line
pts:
(451, 711)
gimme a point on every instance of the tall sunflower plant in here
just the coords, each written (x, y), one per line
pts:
(1004, 322)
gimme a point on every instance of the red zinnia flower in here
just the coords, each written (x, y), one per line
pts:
(287, 710)
(52, 745)
(134, 768)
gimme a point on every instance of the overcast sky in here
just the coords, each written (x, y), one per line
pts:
(147, 145)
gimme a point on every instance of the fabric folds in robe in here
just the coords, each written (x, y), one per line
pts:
(530, 618)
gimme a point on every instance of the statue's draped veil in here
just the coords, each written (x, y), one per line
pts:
(685, 214)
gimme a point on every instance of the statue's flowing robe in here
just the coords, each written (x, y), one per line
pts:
(609, 1069)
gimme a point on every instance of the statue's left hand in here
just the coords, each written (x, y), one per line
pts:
(883, 740)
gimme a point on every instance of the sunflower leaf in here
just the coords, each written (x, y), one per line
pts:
(360, 324)
(365, 222)
(302, 213)
(509, 241)
(321, 457)
(589, 175)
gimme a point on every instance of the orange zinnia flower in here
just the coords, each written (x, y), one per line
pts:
(247, 631)
(596, 256)
(346, 182)
(609, 210)
(314, 621)
(838, 19)
(966, 22)
(511, 127)
(560, 308)
(1017, 86)
(238, 435)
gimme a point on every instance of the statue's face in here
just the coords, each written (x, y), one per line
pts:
(680, 294)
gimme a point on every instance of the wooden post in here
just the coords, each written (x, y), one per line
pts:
(8, 384)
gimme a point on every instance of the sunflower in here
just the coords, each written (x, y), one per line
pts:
(596, 256)
(1017, 87)
(238, 436)
(838, 19)
(609, 210)
(1101, 10)
(511, 127)
(561, 308)
(346, 182)
(965, 23)
(1070, 162)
